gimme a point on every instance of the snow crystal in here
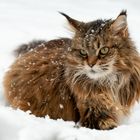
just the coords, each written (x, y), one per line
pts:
(69, 49)
(28, 104)
(61, 106)
(92, 31)
(31, 50)
(103, 24)
(41, 45)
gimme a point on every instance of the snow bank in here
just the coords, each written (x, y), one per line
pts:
(18, 125)
(24, 20)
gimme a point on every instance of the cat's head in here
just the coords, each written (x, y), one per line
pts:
(99, 47)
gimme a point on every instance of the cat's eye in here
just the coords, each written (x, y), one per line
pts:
(104, 50)
(83, 53)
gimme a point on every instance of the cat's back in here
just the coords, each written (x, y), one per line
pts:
(36, 52)
(41, 56)
(43, 44)
(35, 72)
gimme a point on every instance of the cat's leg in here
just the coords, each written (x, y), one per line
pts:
(99, 111)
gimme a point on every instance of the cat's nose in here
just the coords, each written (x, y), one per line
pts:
(92, 60)
(91, 65)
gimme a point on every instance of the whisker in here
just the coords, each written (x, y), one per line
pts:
(104, 69)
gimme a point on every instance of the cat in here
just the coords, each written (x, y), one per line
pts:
(92, 79)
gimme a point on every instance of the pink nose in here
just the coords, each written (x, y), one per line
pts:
(92, 60)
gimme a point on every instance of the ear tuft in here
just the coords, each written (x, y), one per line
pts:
(77, 25)
(119, 26)
(66, 16)
(123, 12)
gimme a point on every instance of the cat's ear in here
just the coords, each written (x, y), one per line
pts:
(119, 26)
(75, 24)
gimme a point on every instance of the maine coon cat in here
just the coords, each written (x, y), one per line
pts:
(93, 78)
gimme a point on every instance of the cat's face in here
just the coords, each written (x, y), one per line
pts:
(95, 48)
(93, 56)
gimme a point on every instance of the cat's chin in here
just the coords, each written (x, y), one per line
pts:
(94, 75)
(97, 75)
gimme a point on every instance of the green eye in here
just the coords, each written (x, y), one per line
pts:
(104, 50)
(83, 53)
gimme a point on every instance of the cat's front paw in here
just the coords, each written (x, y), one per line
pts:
(88, 120)
(107, 124)
(87, 123)
(101, 122)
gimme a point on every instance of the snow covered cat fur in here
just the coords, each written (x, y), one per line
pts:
(93, 78)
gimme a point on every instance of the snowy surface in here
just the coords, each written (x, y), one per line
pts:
(24, 20)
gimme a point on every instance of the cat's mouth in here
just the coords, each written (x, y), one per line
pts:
(93, 71)
(94, 74)
(97, 72)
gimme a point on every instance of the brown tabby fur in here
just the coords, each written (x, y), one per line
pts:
(45, 78)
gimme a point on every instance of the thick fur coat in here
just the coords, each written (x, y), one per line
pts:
(93, 78)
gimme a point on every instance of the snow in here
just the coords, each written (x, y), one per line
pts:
(24, 20)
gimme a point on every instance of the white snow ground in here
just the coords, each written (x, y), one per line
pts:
(24, 20)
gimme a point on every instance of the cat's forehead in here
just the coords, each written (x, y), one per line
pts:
(96, 27)
(96, 32)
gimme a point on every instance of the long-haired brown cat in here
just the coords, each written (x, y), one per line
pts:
(93, 78)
